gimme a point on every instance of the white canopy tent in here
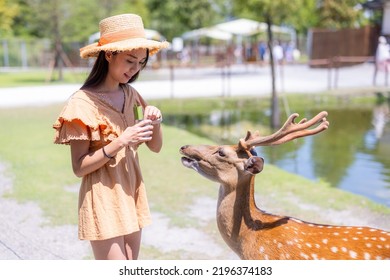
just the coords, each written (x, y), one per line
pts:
(243, 27)
(240, 30)
(211, 32)
(239, 27)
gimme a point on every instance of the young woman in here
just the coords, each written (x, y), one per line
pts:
(100, 125)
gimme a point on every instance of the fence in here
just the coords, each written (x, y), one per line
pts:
(16, 52)
(348, 46)
(24, 52)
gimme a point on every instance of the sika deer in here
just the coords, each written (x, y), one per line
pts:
(254, 234)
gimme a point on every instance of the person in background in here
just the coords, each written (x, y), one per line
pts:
(278, 53)
(262, 49)
(103, 124)
(382, 57)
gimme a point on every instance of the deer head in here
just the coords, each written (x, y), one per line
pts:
(226, 163)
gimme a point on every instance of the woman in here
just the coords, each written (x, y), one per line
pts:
(100, 124)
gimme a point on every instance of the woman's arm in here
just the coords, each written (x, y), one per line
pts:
(85, 162)
(155, 144)
(153, 113)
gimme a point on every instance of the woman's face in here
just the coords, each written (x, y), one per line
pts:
(124, 65)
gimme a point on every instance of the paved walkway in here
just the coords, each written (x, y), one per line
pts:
(241, 80)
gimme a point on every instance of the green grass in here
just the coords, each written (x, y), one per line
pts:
(39, 77)
(40, 170)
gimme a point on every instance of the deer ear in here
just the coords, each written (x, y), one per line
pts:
(254, 165)
(250, 135)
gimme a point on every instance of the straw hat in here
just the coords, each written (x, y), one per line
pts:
(122, 33)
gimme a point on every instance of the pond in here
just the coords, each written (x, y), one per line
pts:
(353, 154)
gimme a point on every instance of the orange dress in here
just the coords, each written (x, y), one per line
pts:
(112, 199)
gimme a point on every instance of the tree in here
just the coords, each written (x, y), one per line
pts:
(303, 19)
(49, 24)
(339, 14)
(174, 17)
(82, 23)
(8, 11)
(271, 12)
(68, 21)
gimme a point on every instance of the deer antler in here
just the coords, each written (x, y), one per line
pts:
(289, 131)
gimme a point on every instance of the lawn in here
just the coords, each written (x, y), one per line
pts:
(39, 77)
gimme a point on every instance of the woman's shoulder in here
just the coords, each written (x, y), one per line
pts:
(132, 93)
(82, 94)
(129, 89)
(83, 97)
(81, 106)
(81, 102)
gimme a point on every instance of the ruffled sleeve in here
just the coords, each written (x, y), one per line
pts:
(80, 120)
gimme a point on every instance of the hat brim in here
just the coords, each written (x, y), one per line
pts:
(153, 46)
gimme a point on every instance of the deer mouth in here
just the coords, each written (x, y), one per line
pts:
(190, 163)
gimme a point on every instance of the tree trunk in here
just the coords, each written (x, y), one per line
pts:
(58, 59)
(275, 116)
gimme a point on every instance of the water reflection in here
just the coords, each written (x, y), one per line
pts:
(381, 115)
(353, 154)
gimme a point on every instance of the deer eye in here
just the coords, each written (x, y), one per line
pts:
(253, 152)
(221, 153)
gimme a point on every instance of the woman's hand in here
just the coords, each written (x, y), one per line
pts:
(152, 113)
(138, 133)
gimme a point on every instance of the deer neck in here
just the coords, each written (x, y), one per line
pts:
(240, 221)
(237, 212)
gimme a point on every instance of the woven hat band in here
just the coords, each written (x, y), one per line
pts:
(121, 35)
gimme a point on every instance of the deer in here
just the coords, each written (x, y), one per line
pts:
(254, 234)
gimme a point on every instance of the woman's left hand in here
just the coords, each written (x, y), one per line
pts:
(152, 113)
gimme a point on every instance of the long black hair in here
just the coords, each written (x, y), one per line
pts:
(100, 70)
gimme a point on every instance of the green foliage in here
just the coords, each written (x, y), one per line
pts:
(138, 7)
(339, 14)
(8, 11)
(83, 23)
(76, 20)
(303, 14)
(174, 17)
(261, 10)
(304, 17)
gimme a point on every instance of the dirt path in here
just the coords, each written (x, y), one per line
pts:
(25, 233)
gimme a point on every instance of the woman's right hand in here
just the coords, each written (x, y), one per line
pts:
(137, 134)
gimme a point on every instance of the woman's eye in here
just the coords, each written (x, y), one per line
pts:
(221, 153)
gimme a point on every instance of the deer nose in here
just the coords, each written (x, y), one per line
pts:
(183, 148)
